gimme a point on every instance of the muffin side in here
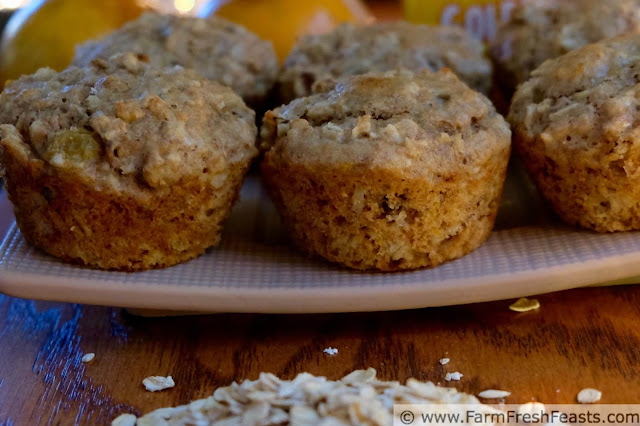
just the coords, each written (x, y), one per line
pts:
(216, 48)
(387, 171)
(376, 219)
(575, 125)
(122, 165)
(353, 50)
(69, 219)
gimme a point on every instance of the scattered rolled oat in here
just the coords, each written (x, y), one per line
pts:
(532, 408)
(158, 383)
(589, 396)
(358, 398)
(525, 305)
(330, 351)
(88, 357)
(444, 361)
(494, 394)
(124, 420)
(453, 376)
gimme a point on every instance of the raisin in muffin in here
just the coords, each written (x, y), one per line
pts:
(353, 50)
(218, 49)
(545, 29)
(387, 171)
(575, 124)
(121, 165)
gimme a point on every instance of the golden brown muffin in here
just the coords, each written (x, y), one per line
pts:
(121, 165)
(575, 123)
(544, 29)
(218, 49)
(353, 50)
(387, 171)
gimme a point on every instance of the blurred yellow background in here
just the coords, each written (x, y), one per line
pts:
(284, 21)
(45, 32)
(480, 17)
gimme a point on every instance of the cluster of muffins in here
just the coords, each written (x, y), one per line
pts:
(384, 155)
(575, 114)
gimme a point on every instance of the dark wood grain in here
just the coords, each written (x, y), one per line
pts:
(581, 338)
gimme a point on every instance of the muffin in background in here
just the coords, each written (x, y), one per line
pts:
(387, 171)
(122, 165)
(352, 50)
(575, 123)
(545, 29)
(216, 48)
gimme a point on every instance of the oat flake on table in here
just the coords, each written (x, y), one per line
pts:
(525, 305)
(493, 394)
(88, 357)
(453, 376)
(124, 420)
(158, 383)
(358, 398)
(589, 396)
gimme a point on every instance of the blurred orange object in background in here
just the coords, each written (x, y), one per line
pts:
(45, 32)
(284, 21)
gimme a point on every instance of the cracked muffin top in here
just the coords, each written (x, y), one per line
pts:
(218, 49)
(123, 124)
(424, 124)
(544, 29)
(353, 50)
(585, 102)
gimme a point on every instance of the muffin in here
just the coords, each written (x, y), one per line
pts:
(387, 171)
(353, 50)
(122, 165)
(218, 49)
(545, 29)
(575, 124)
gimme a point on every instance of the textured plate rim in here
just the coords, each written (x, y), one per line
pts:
(412, 295)
(319, 300)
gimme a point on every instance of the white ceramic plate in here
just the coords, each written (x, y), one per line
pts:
(255, 270)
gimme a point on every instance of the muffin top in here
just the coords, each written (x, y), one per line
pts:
(585, 102)
(123, 124)
(352, 50)
(544, 29)
(218, 49)
(425, 124)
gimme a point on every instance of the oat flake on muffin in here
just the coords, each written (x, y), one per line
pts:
(122, 165)
(544, 29)
(218, 49)
(387, 171)
(353, 50)
(575, 123)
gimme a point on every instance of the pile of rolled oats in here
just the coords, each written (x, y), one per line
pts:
(357, 399)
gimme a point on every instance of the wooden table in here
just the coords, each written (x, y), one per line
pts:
(581, 338)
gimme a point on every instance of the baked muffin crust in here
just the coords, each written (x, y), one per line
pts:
(576, 124)
(387, 171)
(353, 50)
(122, 165)
(216, 48)
(544, 29)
